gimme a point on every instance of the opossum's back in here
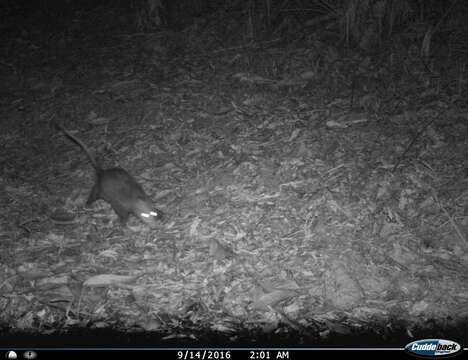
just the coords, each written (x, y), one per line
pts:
(117, 184)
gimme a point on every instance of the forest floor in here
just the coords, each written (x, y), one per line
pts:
(327, 200)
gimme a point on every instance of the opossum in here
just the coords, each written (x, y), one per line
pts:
(117, 187)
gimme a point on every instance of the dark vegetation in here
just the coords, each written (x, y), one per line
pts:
(310, 157)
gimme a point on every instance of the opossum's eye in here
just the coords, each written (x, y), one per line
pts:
(150, 214)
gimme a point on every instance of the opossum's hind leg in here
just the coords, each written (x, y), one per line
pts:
(93, 195)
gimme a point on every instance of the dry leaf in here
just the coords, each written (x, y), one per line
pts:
(107, 280)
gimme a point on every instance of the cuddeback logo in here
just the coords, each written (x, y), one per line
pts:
(433, 347)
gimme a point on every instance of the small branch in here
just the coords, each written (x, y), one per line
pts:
(411, 143)
(462, 237)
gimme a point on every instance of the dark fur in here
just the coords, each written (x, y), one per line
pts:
(119, 189)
